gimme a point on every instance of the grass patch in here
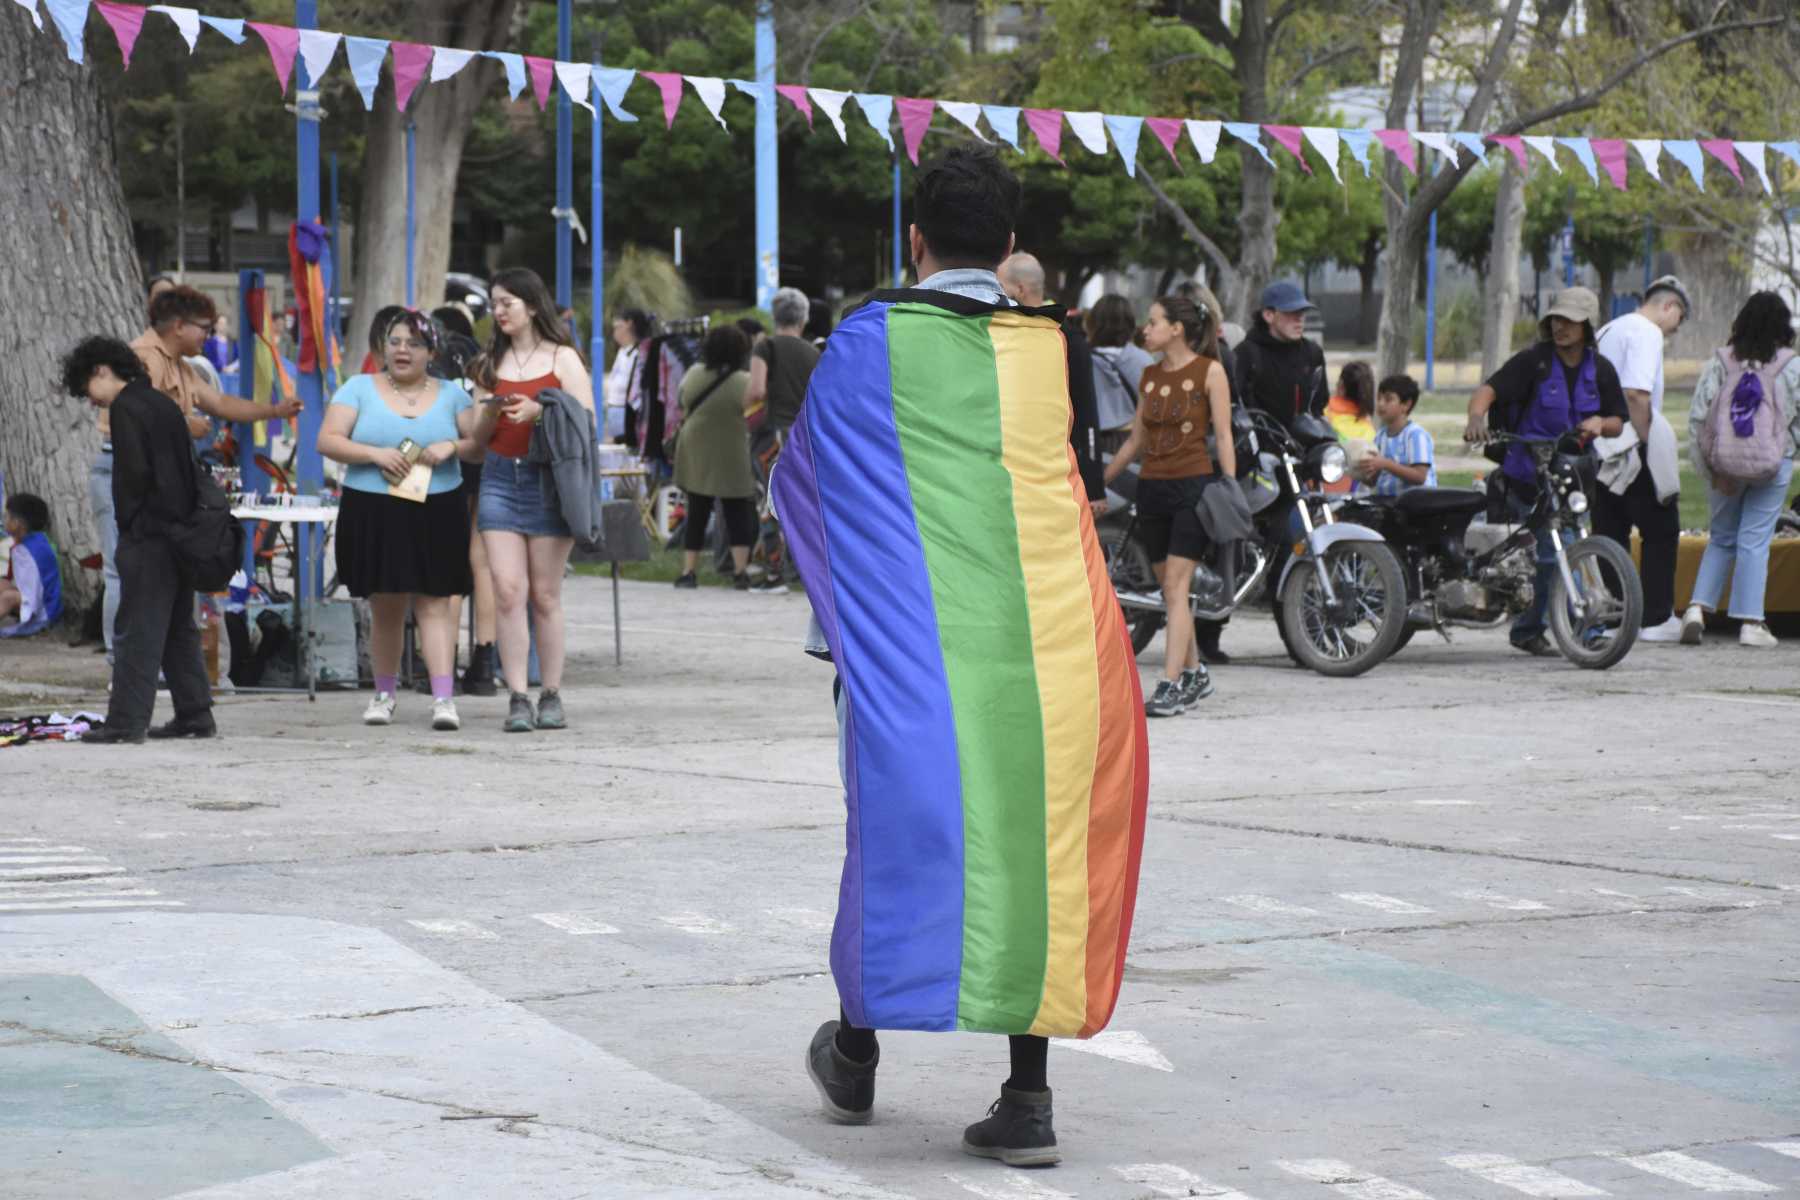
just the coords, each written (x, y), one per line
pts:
(663, 566)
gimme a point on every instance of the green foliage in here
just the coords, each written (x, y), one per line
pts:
(647, 279)
(1458, 326)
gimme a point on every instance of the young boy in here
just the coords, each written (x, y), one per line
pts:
(1403, 455)
(33, 589)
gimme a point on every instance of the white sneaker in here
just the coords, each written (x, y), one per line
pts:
(380, 710)
(443, 715)
(1668, 631)
(1755, 633)
(1693, 625)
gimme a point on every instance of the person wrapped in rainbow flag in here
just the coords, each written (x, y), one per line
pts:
(991, 726)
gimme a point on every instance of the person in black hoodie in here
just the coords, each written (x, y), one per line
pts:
(1278, 369)
(1023, 278)
(155, 481)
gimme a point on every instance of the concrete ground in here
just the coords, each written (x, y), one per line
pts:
(1473, 926)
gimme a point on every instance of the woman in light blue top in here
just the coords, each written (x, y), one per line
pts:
(393, 549)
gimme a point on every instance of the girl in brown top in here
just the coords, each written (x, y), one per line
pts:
(1181, 398)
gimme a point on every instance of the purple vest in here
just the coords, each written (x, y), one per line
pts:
(1553, 411)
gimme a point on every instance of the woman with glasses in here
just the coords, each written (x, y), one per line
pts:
(528, 542)
(403, 528)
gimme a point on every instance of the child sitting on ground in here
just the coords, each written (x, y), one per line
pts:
(33, 588)
(1403, 457)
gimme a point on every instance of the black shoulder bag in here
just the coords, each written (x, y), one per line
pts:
(671, 442)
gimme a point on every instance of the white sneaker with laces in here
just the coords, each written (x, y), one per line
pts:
(443, 715)
(1668, 631)
(380, 710)
(1755, 633)
(1693, 625)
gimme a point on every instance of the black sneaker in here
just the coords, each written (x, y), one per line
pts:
(846, 1088)
(687, 581)
(770, 585)
(1537, 646)
(519, 715)
(1165, 701)
(1019, 1131)
(740, 582)
(478, 680)
(105, 735)
(1196, 685)
(186, 727)
(1206, 639)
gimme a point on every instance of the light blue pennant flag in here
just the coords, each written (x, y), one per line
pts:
(880, 111)
(515, 70)
(1687, 153)
(1582, 150)
(1359, 141)
(1004, 121)
(611, 83)
(365, 65)
(231, 27)
(71, 18)
(1125, 133)
(1250, 135)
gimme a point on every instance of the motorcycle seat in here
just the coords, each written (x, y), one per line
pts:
(1441, 501)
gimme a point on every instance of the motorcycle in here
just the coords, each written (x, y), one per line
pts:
(1340, 594)
(1460, 573)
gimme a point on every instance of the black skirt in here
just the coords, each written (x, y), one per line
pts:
(389, 545)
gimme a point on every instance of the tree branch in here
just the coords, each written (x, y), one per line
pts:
(1193, 232)
(1214, 29)
(1487, 81)
(1324, 60)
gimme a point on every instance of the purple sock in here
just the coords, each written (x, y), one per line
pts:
(387, 683)
(443, 687)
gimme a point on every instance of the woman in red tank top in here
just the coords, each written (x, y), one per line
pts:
(527, 540)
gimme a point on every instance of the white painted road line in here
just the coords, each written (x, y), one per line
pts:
(1167, 1179)
(42, 848)
(52, 872)
(574, 922)
(38, 885)
(1522, 1177)
(1504, 903)
(1268, 904)
(1791, 1149)
(1123, 1045)
(1008, 1187)
(1387, 904)
(23, 841)
(1346, 1180)
(463, 929)
(20, 860)
(689, 922)
(37, 906)
(88, 894)
(1695, 1173)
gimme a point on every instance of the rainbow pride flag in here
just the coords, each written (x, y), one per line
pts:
(994, 756)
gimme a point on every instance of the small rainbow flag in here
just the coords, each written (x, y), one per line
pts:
(994, 755)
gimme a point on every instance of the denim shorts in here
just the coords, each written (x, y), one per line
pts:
(518, 497)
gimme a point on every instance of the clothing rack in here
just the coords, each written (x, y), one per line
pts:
(686, 327)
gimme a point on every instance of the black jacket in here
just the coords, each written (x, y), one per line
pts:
(1284, 379)
(1084, 432)
(154, 469)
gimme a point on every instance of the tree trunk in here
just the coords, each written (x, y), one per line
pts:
(1403, 257)
(1367, 318)
(70, 270)
(1502, 300)
(1257, 217)
(441, 114)
(1606, 274)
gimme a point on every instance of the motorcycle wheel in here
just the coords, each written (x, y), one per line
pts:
(1369, 575)
(1606, 578)
(1135, 572)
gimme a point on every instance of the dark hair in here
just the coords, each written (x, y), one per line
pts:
(1402, 386)
(638, 319)
(1199, 326)
(92, 353)
(1111, 321)
(1357, 382)
(529, 287)
(751, 327)
(150, 283)
(453, 320)
(422, 327)
(724, 349)
(1763, 326)
(379, 326)
(818, 319)
(30, 509)
(182, 303)
(965, 204)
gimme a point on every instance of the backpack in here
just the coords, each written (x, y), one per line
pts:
(1744, 437)
(209, 542)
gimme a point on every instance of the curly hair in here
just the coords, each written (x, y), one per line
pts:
(725, 349)
(1762, 327)
(181, 303)
(1111, 321)
(90, 354)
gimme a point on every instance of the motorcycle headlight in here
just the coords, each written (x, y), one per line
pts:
(1578, 502)
(1333, 463)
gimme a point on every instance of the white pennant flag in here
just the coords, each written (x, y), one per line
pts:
(711, 91)
(317, 48)
(1090, 127)
(1757, 154)
(1650, 150)
(574, 79)
(1545, 146)
(832, 103)
(1441, 143)
(1325, 141)
(446, 62)
(186, 20)
(967, 113)
(1205, 136)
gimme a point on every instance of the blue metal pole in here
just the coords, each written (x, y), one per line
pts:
(331, 283)
(768, 199)
(412, 205)
(309, 468)
(899, 269)
(565, 167)
(1569, 252)
(1431, 255)
(597, 243)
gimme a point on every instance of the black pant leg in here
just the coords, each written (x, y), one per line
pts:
(740, 520)
(184, 659)
(147, 587)
(1030, 1059)
(699, 512)
(1660, 526)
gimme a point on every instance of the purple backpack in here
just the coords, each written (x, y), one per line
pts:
(1744, 437)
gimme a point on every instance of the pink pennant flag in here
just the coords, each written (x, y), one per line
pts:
(411, 61)
(1725, 152)
(1399, 144)
(127, 21)
(1610, 152)
(670, 86)
(283, 42)
(796, 95)
(1046, 125)
(1168, 132)
(542, 70)
(1289, 136)
(1514, 146)
(915, 119)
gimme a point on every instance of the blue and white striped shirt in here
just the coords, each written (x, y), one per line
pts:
(1411, 447)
